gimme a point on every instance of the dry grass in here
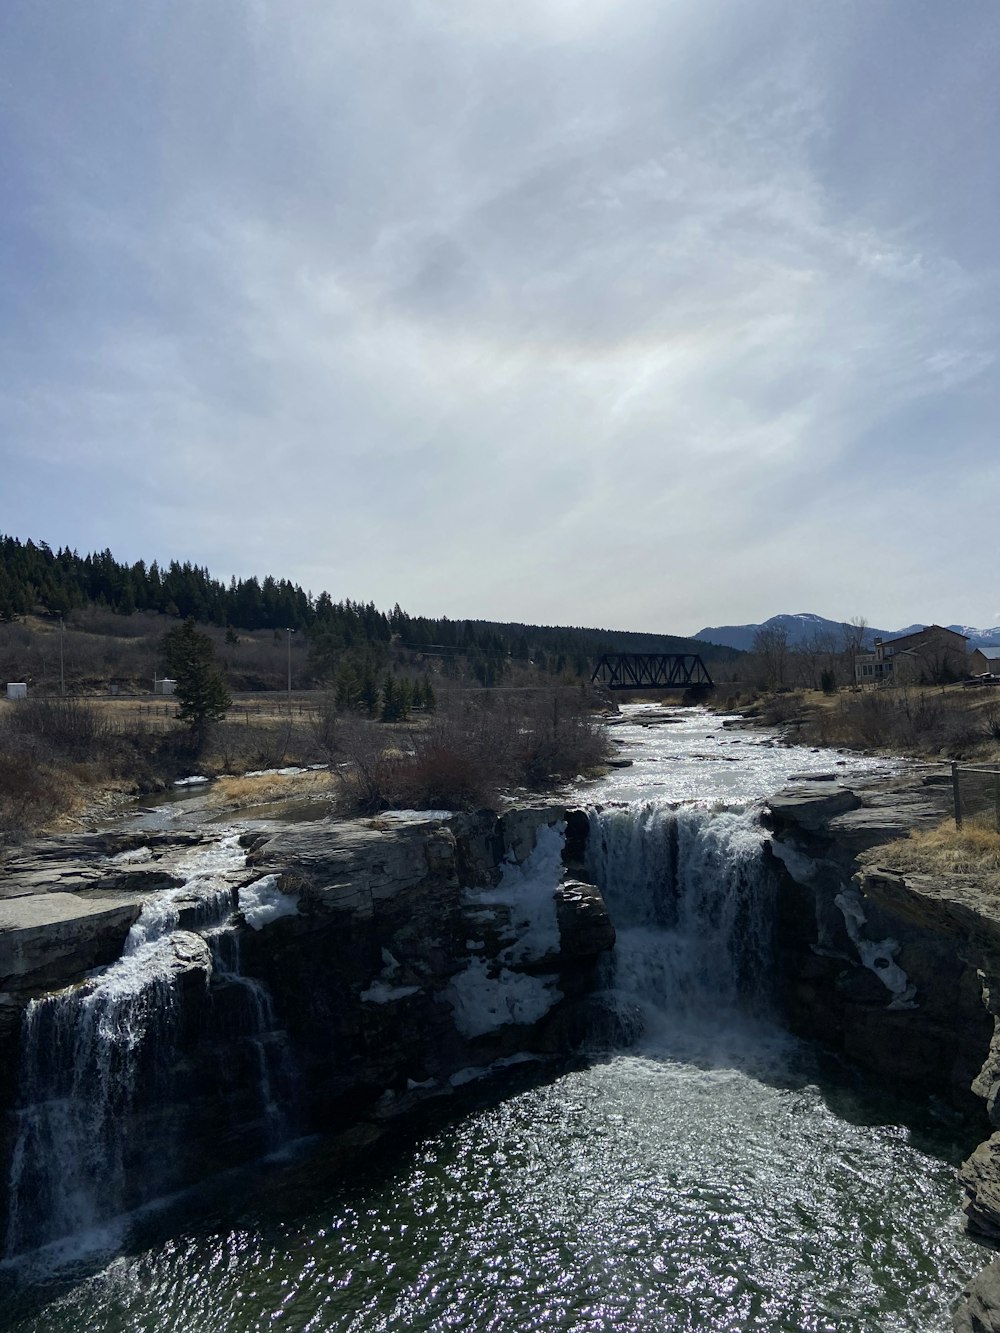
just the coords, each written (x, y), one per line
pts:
(972, 850)
(238, 793)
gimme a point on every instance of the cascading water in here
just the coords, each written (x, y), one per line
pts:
(686, 1183)
(251, 1017)
(100, 1105)
(691, 896)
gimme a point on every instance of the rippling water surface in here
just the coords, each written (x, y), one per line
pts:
(717, 1176)
(715, 1189)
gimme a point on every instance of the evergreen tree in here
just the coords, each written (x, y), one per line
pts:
(349, 689)
(369, 689)
(390, 699)
(201, 689)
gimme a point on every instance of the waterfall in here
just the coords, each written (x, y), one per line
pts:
(100, 1118)
(245, 1014)
(692, 901)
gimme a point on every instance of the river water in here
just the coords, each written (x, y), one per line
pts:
(713, 1174)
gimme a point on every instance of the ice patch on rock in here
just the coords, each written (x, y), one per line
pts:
(483, 1003)
(198, 780)
(528, 890)
(379, 993)
(132, 857)
(879, 956)
(801, 868)
(472, 1073)
(409, 816)
(263, 902)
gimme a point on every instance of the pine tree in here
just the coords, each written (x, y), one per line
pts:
(369, 689)
(201, 689)
(349, 689)
(390, 699)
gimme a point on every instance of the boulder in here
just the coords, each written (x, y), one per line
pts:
(980, 1308)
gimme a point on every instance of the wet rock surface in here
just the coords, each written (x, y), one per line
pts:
(900, 972)
(980, 1308)
(382, 961)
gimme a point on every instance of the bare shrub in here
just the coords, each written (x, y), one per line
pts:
(781, 707)
(326, 727)
(59, 728)
(560, 737)
(905, 721)
(31, 794)
(371, 779)
(461, 760)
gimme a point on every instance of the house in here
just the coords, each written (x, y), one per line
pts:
(983, 660)
(930, 656)
(873, 668)
(17, 689)
(164, 686)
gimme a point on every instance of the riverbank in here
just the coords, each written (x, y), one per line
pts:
(709, 909)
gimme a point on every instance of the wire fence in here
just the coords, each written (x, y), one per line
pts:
(976, 794)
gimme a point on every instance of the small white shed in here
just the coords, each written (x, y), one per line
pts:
(17, 689)
(164, 686)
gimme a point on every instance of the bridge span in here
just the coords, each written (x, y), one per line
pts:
(652, 671)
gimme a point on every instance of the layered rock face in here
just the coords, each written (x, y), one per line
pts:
(902, 973)
(419, 952)
(885, 968)
(347, 971)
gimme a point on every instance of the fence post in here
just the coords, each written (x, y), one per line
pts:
(956, 788)
(996, 797)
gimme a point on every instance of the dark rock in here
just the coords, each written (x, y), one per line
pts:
(980, 1308)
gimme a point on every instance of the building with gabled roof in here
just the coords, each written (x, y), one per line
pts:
(931, 656)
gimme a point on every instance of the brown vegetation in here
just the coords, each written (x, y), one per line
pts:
(479, 746)
(972, 850)
(57, 754)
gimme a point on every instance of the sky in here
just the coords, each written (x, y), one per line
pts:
(644, 314)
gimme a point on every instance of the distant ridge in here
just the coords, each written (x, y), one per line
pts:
(804, 627)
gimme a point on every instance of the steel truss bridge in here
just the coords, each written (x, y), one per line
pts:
(652, 671)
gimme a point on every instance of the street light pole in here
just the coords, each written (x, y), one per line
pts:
(289, 632)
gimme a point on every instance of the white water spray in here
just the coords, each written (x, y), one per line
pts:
(692, 902)
(97, 1116)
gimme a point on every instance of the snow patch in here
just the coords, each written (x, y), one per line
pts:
(263, 902)
(879, 956)
(528, 890)
(801, 868)
(198, 780)
(482, 1003)
(289, 772)
(472, 1073)
(132, 857)
(379, 993)
(409, 816)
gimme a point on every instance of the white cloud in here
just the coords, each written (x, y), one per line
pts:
(553, 311)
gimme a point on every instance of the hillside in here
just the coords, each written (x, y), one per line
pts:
(114, 616)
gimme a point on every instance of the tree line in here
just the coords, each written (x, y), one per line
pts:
(35, 579)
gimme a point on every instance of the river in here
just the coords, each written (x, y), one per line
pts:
(714, 1174)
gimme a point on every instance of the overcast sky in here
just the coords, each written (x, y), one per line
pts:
(651, 314)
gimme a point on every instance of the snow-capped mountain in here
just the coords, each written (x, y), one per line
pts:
(979, 638)
(805, 627)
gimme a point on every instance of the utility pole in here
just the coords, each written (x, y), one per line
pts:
(289, 632)
(62, 668)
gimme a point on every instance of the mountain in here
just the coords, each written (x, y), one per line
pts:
(806, 627)
(979, 638)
